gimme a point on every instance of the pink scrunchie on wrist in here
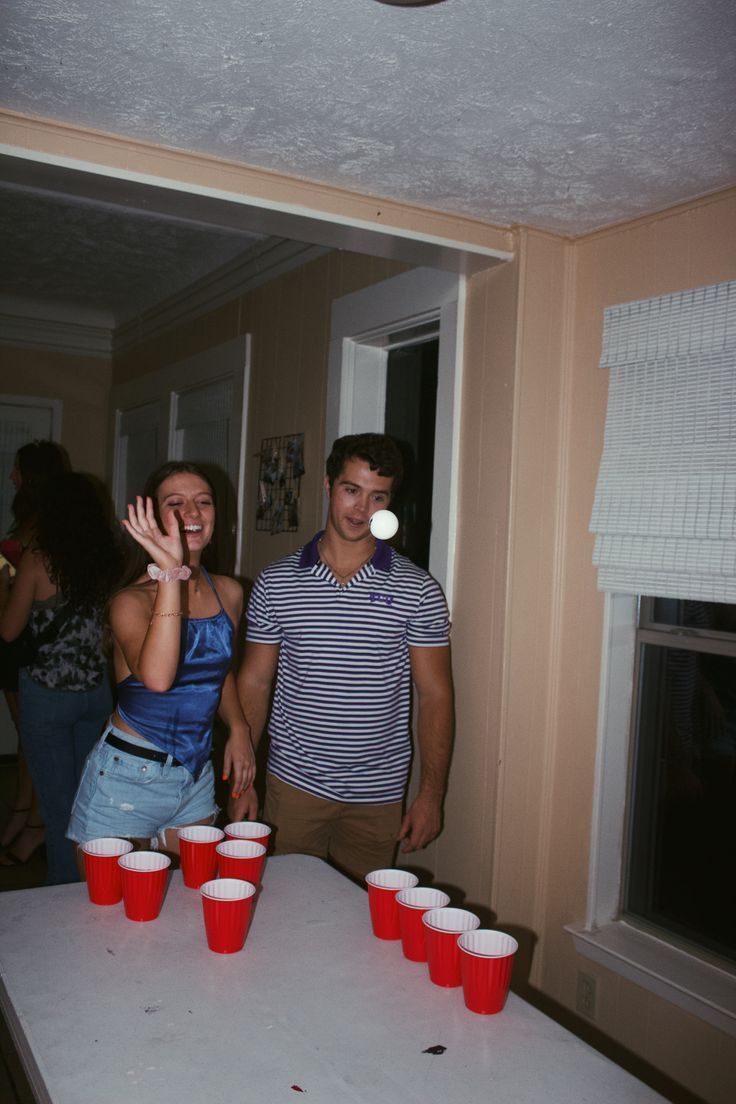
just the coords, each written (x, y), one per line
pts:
(169, 574)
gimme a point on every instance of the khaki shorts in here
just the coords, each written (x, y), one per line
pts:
(358, 838)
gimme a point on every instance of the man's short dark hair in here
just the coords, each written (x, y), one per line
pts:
(380, 453)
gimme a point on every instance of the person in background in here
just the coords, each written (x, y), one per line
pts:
(35, 464)
(63, 582)
(173, 630)
(345, 626)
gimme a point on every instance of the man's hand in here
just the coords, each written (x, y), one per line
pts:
(422, 823)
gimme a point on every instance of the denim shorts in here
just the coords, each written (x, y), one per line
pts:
(123, 795)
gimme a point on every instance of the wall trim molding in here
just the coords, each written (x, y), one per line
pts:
(26, 331)
(261, 264)
(27, 325)
(316, 212)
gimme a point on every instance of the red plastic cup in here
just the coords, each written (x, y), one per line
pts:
(248, 829)
(486, 962)
(442, 928)
(197, 844)
(242, 859)
(144, 875)
(226, 903)
(104, 877)
(383, 885)
(413, 903)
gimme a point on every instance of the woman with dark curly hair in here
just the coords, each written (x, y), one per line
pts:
(62, 585)
(36, 463)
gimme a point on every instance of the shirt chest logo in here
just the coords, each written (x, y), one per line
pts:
(382, 599)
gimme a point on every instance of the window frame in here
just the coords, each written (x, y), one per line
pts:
(694, 981)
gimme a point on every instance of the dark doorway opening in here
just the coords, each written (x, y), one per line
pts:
(411, 411)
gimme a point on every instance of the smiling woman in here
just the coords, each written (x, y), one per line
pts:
(172, 630)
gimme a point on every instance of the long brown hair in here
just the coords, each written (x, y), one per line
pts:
(79, 548)
(39, 462)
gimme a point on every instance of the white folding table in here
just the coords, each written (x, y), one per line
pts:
(106, 1011)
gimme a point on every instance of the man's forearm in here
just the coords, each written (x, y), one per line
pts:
(255, 682)
(435, 725)
(230, 710)
(255, 699)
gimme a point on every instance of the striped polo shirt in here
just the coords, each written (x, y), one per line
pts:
(339, 725)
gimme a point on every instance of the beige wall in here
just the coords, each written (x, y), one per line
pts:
(689, 247)
(83, 385)
(528, 617)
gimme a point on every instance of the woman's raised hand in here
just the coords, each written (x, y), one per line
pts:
(165, 549)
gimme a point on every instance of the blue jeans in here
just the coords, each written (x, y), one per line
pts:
(58, 729)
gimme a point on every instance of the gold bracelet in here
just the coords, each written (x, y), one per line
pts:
(165, 613)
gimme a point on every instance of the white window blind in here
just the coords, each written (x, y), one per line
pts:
(665, 505)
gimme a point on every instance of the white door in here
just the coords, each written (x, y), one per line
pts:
(207, 429)
(194, 410)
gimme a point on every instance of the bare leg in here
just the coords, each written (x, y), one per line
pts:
(25, 808)
(170, 842)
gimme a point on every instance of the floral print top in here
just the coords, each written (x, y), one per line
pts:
(75, 659)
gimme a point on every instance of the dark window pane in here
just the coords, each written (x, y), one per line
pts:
(682, 840)
(683, 613)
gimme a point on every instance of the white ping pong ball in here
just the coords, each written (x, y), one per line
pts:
(383, 524)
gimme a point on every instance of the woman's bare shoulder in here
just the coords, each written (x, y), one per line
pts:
(226, 585)
(138, 596)
(231, 593)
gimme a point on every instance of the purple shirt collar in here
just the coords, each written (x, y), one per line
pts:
(380, 560)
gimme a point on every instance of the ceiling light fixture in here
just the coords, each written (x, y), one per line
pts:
(411, 3)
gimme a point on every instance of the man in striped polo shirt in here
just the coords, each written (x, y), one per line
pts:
(345, 626)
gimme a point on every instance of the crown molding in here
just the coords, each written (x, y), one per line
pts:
(261, 264)
(25, 324)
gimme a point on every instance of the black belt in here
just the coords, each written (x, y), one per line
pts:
(141, 752)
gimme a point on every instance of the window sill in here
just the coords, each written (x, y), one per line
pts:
(697, 986)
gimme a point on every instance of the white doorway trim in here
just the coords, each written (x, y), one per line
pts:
(365, 325)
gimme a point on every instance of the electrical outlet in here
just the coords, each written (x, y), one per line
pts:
(585, 995)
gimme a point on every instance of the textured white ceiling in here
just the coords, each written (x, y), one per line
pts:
(567, 115)
(113, 262)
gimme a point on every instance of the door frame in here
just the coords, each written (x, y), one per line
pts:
(364, 326)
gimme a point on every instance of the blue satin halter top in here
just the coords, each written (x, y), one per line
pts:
(179, 720)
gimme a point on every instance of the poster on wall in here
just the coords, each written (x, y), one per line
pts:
(280, 471)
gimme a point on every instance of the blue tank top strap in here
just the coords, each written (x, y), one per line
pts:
(208, 577)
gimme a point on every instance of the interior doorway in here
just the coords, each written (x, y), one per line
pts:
(396, 355)
(411, 414)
